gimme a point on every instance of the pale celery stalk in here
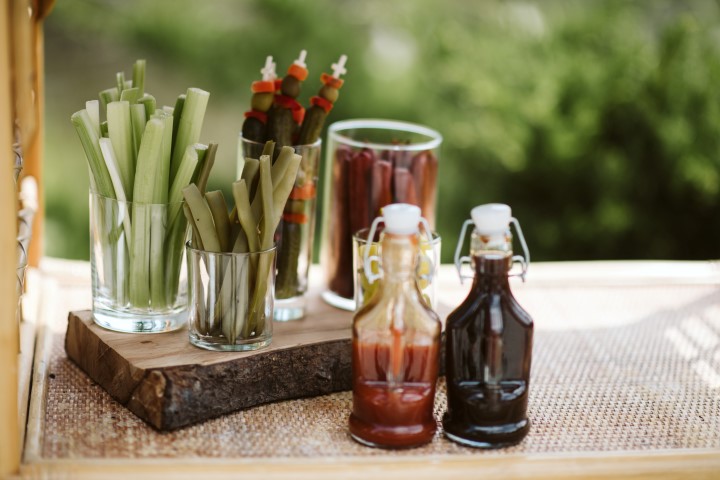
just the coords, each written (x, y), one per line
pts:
(256, 204)
(143, 196)
(130, 95)
(104, 129)
(120, 80)
(150, 104)
(93, 109)
(282, 190)
(202, 218)
(182, 179)
(195, 239)
(138, 119)
(119, 247)
(120, 132)
(168, 109)
(138, 78)
(266, 227)
(108, 153)
(191, 120)
(90, 143)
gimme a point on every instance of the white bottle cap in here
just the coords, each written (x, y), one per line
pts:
(491, 218)
(401, 218)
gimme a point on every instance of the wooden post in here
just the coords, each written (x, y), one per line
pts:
(9, 428)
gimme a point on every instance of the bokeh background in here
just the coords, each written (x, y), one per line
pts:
(598, 122)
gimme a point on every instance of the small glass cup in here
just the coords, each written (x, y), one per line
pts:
(231, 299)
(426, 271)
(136, 257)
(296, 231)
(371, 163)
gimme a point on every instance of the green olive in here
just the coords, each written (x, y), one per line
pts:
(261, 101)
(329, 93)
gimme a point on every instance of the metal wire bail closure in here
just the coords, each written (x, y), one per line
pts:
(368, 259)
(522, 260)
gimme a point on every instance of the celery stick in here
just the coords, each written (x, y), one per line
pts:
(138, 120)
(218, 209)
(130, 95)
(119, 245)
(150, 104)
(280, 165)
(182, 179)
(138, 78)
(162, 183)
(202, 217)
(120, 132)
(191, 120)
(107, 96)
(108, 153)
(177, 113)
(104, 129)
(120, 80)
(90, 143)
(93, 109)
(143, 195)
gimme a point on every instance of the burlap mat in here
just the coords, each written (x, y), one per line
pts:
(614, 369)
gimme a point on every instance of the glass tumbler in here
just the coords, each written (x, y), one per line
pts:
(296, 232)
(371, 163)
(231, 299)
(136, 258)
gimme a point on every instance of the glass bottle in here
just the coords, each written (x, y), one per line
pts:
(489, 341)
(396, 343)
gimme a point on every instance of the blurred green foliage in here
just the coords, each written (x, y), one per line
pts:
(598, 122)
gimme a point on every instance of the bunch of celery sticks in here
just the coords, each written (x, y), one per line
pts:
(140, 158)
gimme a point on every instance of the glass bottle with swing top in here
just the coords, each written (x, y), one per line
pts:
(489, 340)
(395, 343)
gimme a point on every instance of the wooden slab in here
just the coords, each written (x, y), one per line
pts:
(169, 383)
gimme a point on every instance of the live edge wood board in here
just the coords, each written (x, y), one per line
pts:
(170, 384)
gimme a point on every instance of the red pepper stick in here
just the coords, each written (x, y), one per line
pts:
(381, 186)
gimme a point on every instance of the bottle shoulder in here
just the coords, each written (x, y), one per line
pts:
(479, 301)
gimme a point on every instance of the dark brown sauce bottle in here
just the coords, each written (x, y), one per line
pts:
(488, 352)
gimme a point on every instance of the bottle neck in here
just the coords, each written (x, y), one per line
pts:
(492, 258)
(399, 257)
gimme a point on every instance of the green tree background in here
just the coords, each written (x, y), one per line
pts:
(598, 122)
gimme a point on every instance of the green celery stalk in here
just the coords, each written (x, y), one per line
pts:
(138, 119)
(177, 113)
(138, 78)
(120, 132)
(191, 120)
(90, 143)
(149, 159)
(218, 209)
(245, 216)
(120, 79)
(107, 96)
(150, 104)
(130, 95)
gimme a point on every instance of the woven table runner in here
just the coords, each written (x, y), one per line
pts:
(614, 369)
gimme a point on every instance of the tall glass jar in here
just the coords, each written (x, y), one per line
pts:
(489, 342)
(395, 342)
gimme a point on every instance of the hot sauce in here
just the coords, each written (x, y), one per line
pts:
(396, 340)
